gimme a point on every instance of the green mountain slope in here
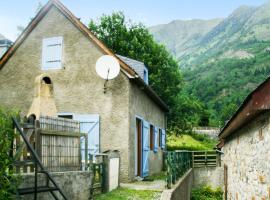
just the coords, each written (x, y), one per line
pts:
(228, 61)
(181, 36)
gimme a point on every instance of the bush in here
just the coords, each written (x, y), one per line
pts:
(207, 193)
(8, 182)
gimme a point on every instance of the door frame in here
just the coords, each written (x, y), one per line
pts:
(136, 145)
(86, 114)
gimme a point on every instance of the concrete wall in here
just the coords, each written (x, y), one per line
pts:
(181, 190)
(212, 176)
(141, 105)
(75, 185)
(246, 154)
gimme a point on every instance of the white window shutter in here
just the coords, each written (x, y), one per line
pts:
(52, 53)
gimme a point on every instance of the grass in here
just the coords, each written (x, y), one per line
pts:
(129, 194)
(206, 193)
(160, 176)
(191, 142)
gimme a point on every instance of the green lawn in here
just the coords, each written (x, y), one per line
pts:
(129, 194)
(190, 142)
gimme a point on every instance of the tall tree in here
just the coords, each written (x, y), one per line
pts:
(134, 41)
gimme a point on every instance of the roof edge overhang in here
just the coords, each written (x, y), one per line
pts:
(255, 103)
(76, 22)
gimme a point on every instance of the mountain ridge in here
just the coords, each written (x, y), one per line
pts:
(226, 61)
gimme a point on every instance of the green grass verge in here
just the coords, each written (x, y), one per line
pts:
(129, 194)
(206, 193)
(191, 142)
(159, 176)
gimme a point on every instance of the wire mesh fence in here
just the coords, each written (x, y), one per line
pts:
(178, 163)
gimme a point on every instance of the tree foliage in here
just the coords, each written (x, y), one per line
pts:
(134, 41)
(223, 83)
(8, 182)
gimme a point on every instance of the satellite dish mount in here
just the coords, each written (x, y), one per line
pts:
(108, 68)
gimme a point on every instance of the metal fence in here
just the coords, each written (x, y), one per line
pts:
(178, 163)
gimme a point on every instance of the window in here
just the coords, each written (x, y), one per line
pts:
(160, 137)
(145, 75)
(152, 137)
(52, 53)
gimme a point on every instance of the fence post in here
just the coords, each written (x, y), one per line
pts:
(86, 151)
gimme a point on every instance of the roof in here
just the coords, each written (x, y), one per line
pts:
(134, 64)
(257, 102)
(125, 68)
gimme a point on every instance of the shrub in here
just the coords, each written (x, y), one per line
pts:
(207, 193)
(8, 182)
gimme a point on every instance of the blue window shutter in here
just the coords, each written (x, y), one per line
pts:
(145, 149)
(155, 139)
(163, 139)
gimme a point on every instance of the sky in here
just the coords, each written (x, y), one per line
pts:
(16, 13)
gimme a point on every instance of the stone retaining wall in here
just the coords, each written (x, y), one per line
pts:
(181, 190)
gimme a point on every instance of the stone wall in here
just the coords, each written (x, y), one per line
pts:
(212, 176)
(75, 185)
(246, 154)
(181, 190)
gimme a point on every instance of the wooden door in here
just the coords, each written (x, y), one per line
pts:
(139, 146)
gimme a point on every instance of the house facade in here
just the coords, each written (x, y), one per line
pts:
(58, 51)
(245, 144)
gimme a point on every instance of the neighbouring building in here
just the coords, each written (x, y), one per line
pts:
(245, 142)
(52, 64)
(4, 45)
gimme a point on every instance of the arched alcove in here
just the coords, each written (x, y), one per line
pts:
(46, 80)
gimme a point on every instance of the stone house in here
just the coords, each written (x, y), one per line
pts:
(245, 143)
(56, 54)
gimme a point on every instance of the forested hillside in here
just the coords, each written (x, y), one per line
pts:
(227, 62)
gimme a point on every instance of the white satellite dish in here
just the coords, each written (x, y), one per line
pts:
(107, 67)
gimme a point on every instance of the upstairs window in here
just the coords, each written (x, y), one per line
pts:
(52, 53)
(145, 75)
(152, 137)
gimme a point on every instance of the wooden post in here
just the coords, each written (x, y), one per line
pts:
(225, 181)
(205, 157)
(38, 138)
(86, 151)
(192, 159)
